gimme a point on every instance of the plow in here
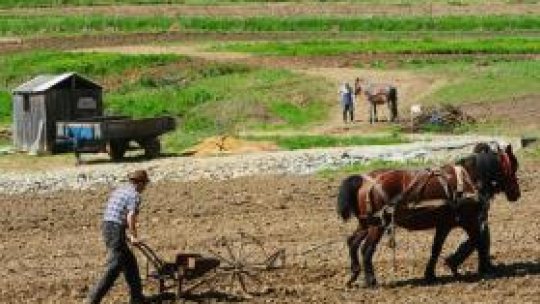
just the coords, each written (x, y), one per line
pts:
(229, 267)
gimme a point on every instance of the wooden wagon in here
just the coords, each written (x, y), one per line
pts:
(114, 134)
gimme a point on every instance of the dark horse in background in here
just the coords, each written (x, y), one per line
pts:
(379, 94)
(463, 190)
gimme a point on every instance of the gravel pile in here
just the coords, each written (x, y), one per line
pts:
(225, 167)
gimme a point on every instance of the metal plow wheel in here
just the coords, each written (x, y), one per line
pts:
(244, 259)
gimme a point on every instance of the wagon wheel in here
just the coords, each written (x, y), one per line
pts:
(243, 259)
(117, 149)
(152, 147)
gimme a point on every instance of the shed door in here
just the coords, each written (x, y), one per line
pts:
(31, 124)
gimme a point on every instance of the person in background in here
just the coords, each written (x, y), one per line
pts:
(120, 226)
(346, 100)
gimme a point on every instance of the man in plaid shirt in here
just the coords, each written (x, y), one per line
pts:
(120, 218)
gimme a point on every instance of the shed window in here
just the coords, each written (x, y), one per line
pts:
(26, 103)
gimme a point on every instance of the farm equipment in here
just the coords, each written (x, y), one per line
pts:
(231, 265)
(113, 134)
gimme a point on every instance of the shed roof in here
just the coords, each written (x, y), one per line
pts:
(42, 83)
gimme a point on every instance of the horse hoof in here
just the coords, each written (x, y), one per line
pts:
(430, 278)
(370, 283)
(370, 286)
(452, 266)
(488, 275)
(488, 272)
(353, 278)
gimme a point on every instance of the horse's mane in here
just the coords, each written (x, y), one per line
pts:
(485, 165)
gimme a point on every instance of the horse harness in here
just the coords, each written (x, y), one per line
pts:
(414, 190)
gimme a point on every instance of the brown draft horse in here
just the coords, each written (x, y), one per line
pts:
(464, 189)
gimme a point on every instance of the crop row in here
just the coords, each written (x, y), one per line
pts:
(402, 46)
(25, 25)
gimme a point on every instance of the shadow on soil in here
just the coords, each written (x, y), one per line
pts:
(205, 297)
(518, 269)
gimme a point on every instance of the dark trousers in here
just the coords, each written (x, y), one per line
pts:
(348, 108)
(120, 259)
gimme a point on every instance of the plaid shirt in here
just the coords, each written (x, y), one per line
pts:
(120, 202)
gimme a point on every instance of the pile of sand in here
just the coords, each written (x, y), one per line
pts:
(228, 145)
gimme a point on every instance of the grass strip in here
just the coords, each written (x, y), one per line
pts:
(364, 167)
(47, 25)
(60, 3)
(319, 141)
(401, 46)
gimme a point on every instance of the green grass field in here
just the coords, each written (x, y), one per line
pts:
(394, 46)
(368, 166)
(55, 3)
(310, 141)
(207, 98)
(488, 79)
(17, 68)
(213, 98)
(493, 82)
(73, 24)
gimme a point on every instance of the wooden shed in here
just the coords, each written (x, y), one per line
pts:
(39, 103)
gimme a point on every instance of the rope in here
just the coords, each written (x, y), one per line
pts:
(394, 245)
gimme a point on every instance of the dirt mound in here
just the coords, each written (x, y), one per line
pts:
(228, 145)
(441, 117)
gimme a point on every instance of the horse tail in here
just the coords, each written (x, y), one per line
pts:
(348, 196)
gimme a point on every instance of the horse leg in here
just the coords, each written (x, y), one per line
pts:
(441, 232)
(485, 237)
(389, 105)
(479, 243)
(376, 119)
(485, 265)
(368, 249)
(467, 247)
(394, 110)
(391, 109)
(354, 242)
(371, 112)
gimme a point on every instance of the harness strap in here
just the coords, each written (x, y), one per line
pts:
(373, 184)
(421, 187)
(443, 181)
(459, 179)
(463, 179)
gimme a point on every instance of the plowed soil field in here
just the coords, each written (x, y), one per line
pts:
(51, 250)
